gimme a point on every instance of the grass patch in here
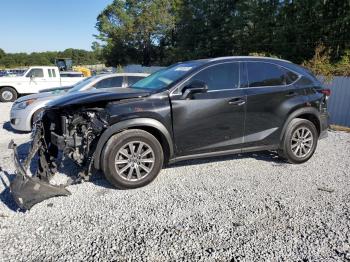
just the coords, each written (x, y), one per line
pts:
(340, 128)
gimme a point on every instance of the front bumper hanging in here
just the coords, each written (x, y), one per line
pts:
(26, 190)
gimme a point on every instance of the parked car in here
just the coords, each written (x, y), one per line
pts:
(25, 108)
(36, 78)
(11, 72)
(3, 73)
(194, 109)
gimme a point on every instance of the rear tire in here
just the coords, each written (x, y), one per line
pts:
(132, 158)
(8, 94)
(299, 142)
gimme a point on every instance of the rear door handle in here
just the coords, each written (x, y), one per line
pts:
(238, 101)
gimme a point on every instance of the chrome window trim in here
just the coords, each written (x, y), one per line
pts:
(219, 90)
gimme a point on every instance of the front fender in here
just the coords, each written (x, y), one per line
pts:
(137, 122)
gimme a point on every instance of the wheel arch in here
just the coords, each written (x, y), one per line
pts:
(34, 113)
(150, 125)
(14, 88)
(7, 86)
(310, 114)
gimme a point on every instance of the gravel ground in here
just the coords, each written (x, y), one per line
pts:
(240, 208)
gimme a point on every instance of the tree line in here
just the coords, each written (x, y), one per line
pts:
(315, 33)
(80, 57)
(166, 31)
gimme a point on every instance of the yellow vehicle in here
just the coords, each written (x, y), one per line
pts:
(86, 72)
(66, 64)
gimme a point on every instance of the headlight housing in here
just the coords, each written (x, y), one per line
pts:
(24, 104)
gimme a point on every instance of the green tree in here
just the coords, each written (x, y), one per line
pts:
(2, 53)
(97, 50)
(132, 29)
(48, 58)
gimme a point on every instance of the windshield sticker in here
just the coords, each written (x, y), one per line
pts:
(183, 68)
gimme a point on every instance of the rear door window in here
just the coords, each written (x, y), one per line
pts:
(110, 82)
(265, 74)
(116, 81)
(133, 79)
(105, 83)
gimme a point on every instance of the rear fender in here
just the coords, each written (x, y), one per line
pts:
(295, 114)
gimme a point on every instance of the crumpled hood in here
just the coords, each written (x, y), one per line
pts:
(93, 96)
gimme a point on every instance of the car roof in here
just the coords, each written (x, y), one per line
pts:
(122, 74)
(41, 67)
(242, 58)
(247, 58)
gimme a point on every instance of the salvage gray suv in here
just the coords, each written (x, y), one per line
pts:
(193, 109)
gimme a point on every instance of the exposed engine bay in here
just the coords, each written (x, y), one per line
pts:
(75, 133)
(72, 132)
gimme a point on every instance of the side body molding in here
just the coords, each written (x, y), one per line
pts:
(141, 122)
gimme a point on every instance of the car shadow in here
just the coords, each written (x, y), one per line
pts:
(100, 180)
(269, 156)
(6, 177)
(68, 168)
(5, 195)
(7, 126)
(71, 170)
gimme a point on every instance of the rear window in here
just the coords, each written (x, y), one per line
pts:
(291, 77)
(51, 72)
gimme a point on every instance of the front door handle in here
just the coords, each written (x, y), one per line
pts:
(239, 101)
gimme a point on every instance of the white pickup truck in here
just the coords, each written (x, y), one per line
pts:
(35, 79)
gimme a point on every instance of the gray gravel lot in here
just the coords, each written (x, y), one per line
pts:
(240, 208)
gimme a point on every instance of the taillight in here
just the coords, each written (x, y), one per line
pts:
(326, 92)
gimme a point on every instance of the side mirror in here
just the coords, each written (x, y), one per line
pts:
(194, 87)
(32, 76)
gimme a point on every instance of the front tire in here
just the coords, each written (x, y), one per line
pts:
(299, 142)
(132, 158)
(8, 94)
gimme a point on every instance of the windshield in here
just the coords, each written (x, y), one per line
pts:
(81, 84)
(163, 78)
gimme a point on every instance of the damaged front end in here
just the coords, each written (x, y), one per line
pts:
(72, 132)
(26, 190)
